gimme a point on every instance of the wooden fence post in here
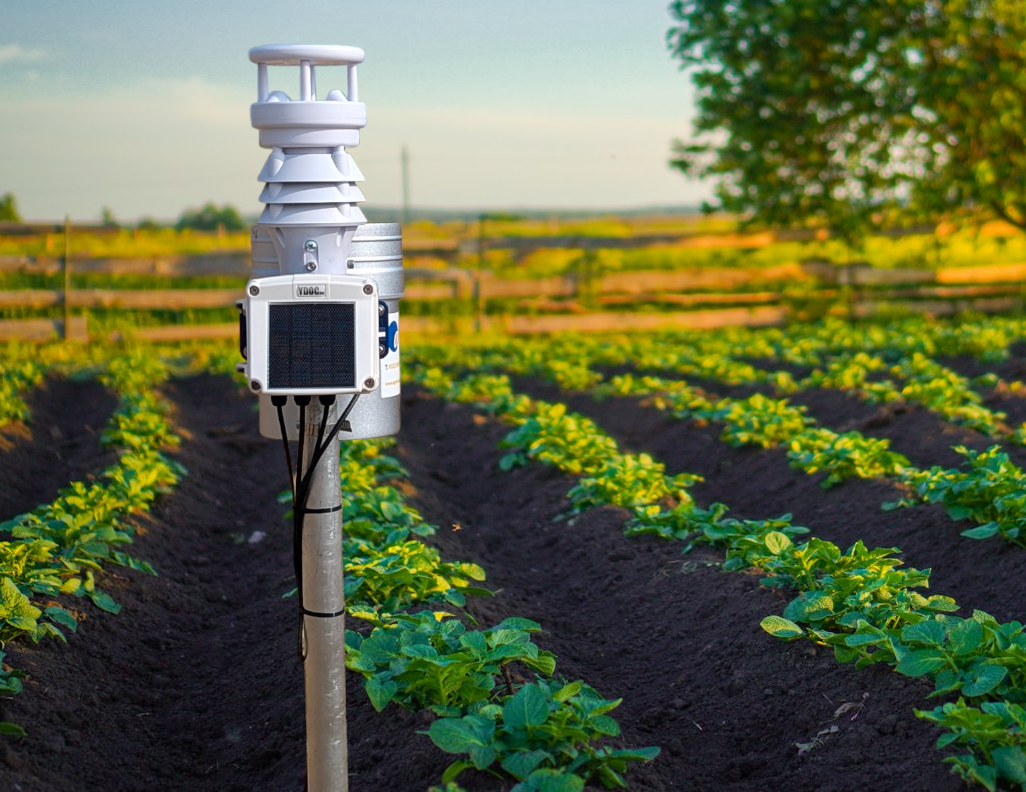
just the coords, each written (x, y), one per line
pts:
(479, 305)
(66, 289)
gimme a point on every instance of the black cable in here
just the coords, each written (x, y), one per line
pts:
(319, 450)
(299, 510)
(301, 487)
(297, 523)
(301, 402)
(280, 402)
(297, 529)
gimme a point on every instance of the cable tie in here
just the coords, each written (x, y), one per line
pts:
(323, 511)
(320, 615)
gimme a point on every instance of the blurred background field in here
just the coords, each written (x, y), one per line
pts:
(501, 271)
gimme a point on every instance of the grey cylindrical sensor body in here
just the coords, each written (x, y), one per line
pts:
(376, 252)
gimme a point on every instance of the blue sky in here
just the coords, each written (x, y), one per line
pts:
(144, 107)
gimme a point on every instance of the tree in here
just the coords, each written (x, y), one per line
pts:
(833, 111)
(107, 217)
(210, 217)
(972, 107)
(9, 208)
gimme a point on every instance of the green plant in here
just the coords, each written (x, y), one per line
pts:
(994, 733)
(57, 548)
(428, 661)
(16, 378)
(543, 735)
(758, 420)
(989, 490)
(845, 456)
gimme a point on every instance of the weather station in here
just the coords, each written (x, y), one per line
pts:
(319, 337)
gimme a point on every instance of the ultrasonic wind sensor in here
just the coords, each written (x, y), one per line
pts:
(312, 199)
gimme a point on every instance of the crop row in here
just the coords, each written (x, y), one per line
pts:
(859, 601)
(986, 489)
(57, 548)
(881, 363)
(16, 378)
(541, 731)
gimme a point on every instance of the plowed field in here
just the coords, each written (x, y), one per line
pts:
(195, 685)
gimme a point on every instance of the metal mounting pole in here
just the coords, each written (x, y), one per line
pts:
(327, 752)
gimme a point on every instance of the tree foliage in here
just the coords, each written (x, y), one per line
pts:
(973, 110)
(210, 218)
(835, 110)
(9, 208)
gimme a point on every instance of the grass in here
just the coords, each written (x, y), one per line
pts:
(126, 243)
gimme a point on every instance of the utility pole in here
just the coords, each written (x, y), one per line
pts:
(406, 185)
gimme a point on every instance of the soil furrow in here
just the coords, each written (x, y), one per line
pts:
(60, 443)
(758, 483)
(195, 685)
(674, 636)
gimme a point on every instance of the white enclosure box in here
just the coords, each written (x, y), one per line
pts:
(311, 335)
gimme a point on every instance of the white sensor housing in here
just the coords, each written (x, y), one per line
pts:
(311, 335)
(311, 193)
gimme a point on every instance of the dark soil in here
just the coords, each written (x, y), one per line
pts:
(195, 685)
(674, 636)
(60, 444)
(759, 483)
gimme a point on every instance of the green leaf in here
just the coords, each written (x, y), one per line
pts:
(928, 632)
(104, 601)
(777, 542)
(380, 693)
(636, 754)
(61, 617)
(15, 607)
(986, 775)
(982, 531)
(965, 637)
(603, 724)
(780, 627)
(549, 780)
(545, 663)
(921, 663)
(1010, 762)
(456, 735)
(986, 677)
(522, 763)
(567, 692)
(482, 756)
(8, 729)
(527, 707)
(453, 770)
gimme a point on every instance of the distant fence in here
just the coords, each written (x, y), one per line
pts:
(577, 302)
